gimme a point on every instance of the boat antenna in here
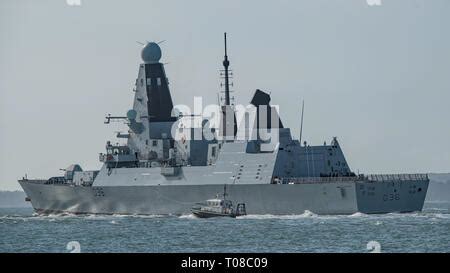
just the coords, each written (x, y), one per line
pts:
(301, 122)
(226, 64)
(224, 191)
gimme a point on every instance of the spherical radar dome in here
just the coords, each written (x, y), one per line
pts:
(131, 114)
(151, 53)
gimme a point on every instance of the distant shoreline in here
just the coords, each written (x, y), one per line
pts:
(13, 199)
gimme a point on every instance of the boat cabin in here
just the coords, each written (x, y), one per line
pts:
(219, 203)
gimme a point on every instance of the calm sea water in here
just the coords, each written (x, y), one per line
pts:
(427, 231)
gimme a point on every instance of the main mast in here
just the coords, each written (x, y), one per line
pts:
(229, 124)
(226, 64)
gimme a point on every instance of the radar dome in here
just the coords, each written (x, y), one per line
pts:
(131, 114)
(151, 53)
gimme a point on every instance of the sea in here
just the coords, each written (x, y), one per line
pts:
(21, 230)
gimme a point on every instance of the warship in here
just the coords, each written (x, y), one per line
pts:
(168, 160)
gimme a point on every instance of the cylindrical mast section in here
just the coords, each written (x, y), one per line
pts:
(226, 63)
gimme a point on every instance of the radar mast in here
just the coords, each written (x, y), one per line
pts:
(229, 124)
(226, 64)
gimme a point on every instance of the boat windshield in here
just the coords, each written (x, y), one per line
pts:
(214, 202)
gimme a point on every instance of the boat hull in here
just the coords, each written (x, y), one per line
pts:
(346, 197)
(208, 214)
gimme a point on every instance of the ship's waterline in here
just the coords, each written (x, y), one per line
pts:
(285, 199)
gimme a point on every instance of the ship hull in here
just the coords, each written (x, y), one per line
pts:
(346, 197)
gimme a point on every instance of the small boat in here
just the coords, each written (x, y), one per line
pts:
(218, 207)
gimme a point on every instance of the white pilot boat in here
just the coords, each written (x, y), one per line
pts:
(218, 207)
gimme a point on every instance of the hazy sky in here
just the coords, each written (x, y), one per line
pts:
(375, 76)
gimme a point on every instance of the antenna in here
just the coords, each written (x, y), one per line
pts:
(226, 63)
(224, 191)
(301, 123)
(225, 39)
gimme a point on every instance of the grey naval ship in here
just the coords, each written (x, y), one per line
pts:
(155, 169)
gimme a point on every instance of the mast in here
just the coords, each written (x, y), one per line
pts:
(228, 121)
(225, 192)
(226, 63)
(301, 123)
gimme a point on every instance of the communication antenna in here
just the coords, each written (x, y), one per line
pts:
(141, 43)
(301, 122)
(226, 64)
(225, 191)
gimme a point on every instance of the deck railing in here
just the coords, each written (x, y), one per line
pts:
(368, 178)
(397, 177)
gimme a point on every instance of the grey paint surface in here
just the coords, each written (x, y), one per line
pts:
(325, 198)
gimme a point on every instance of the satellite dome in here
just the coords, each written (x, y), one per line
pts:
(151, 53)
(131, 114)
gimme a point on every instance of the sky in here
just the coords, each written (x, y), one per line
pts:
(375, 76)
